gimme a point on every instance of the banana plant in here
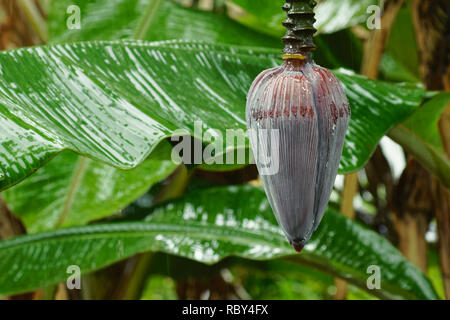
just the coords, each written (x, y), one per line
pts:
(85, 120)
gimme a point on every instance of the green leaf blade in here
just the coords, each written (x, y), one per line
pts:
(239, 222)
(376, 108)
(116, 101)
(73, 190)
(152, 20)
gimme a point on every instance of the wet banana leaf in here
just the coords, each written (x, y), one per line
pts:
(401, 60)
(238, 222)
(424, 122)
(165, 20)
(107, 20)
(392, 69)
(419, 135)
(115, 102)
(331, 15)
(153, 20)
(336, 15)
(113, 20)
(111, 101)
(73, 190)
(362, 92)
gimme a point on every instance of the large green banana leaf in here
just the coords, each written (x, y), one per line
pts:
(153, 20)
(54, 201)
(401, 58)
(207, 226)
(420, 136)
(165, 20)
(73, 190)
(115, 101)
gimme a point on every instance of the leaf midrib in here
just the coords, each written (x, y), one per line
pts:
(75, 181)
(146, 20)
(195, 230)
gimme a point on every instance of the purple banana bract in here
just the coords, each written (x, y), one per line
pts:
(306, 106)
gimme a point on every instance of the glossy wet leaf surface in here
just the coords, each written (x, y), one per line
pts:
(373, 105)
(207, 226)
(115, 102)
(73, 190)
